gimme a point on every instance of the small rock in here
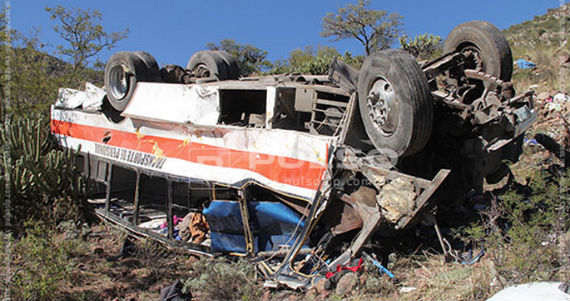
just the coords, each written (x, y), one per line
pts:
(561, 57)
(320, 286)
(542, 95)
(155, 288)
(191, 260)
(266, 295)
(363, 278)
(346, 284)
(282, 295)
(311, 294)
(324, 296)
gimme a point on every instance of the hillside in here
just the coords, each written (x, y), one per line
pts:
(543, 41)
(550, 30)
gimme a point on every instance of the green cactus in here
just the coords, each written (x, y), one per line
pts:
(41, 175)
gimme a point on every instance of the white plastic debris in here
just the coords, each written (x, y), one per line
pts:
(90, 100)
(407, 289)
(560, 97)
(94, 97)
(532, 292)
(69, 98)
(553, 107)
(153, 224)
(270, 284)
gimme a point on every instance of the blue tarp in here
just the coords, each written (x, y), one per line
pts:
(272, 224)
(524, 64)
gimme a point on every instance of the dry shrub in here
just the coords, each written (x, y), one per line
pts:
(40, 264)
(221, 279)
(434, 279)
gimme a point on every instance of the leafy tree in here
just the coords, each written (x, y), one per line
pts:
(311, 61)
(250, 59)
(375, 29)
(423, 46)
(35, 85)
(84, 38)
(299, 57)
(26, 81)
(42, 179)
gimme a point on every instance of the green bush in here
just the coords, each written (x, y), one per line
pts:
(40, 265)
(317, 65)
(424, 46)
(220, 279)
(526, 234)
(376, 283)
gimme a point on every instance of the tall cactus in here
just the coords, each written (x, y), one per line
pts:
(41, 175)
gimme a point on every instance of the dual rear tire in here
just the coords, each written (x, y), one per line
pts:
(395, 100)
(395, 103)
(125, 69)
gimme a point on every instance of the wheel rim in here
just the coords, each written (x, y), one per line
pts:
(201, 71)
(119, 82)
(383, 107)
(477, 62)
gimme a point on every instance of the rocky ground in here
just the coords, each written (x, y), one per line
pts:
(100, 273)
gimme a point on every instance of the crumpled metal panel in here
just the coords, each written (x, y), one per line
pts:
(174, 103)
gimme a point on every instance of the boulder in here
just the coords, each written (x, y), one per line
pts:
(346, 284)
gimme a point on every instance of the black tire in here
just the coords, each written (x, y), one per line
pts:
(211, 64)
(151, 65)
(497, 175)
(513, 150)
(122, 72)
(408, 123)
(232, 65)
(486, 39)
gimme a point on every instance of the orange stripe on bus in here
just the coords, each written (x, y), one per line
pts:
(281, 169)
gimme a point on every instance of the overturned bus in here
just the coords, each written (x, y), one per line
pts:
(294, 171)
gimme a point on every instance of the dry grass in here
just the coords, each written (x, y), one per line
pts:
(92, 271)
(437, 280)
(433, 279)
(548, 74)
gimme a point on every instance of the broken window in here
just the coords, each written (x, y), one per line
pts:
(286, 116)
(243, 108)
